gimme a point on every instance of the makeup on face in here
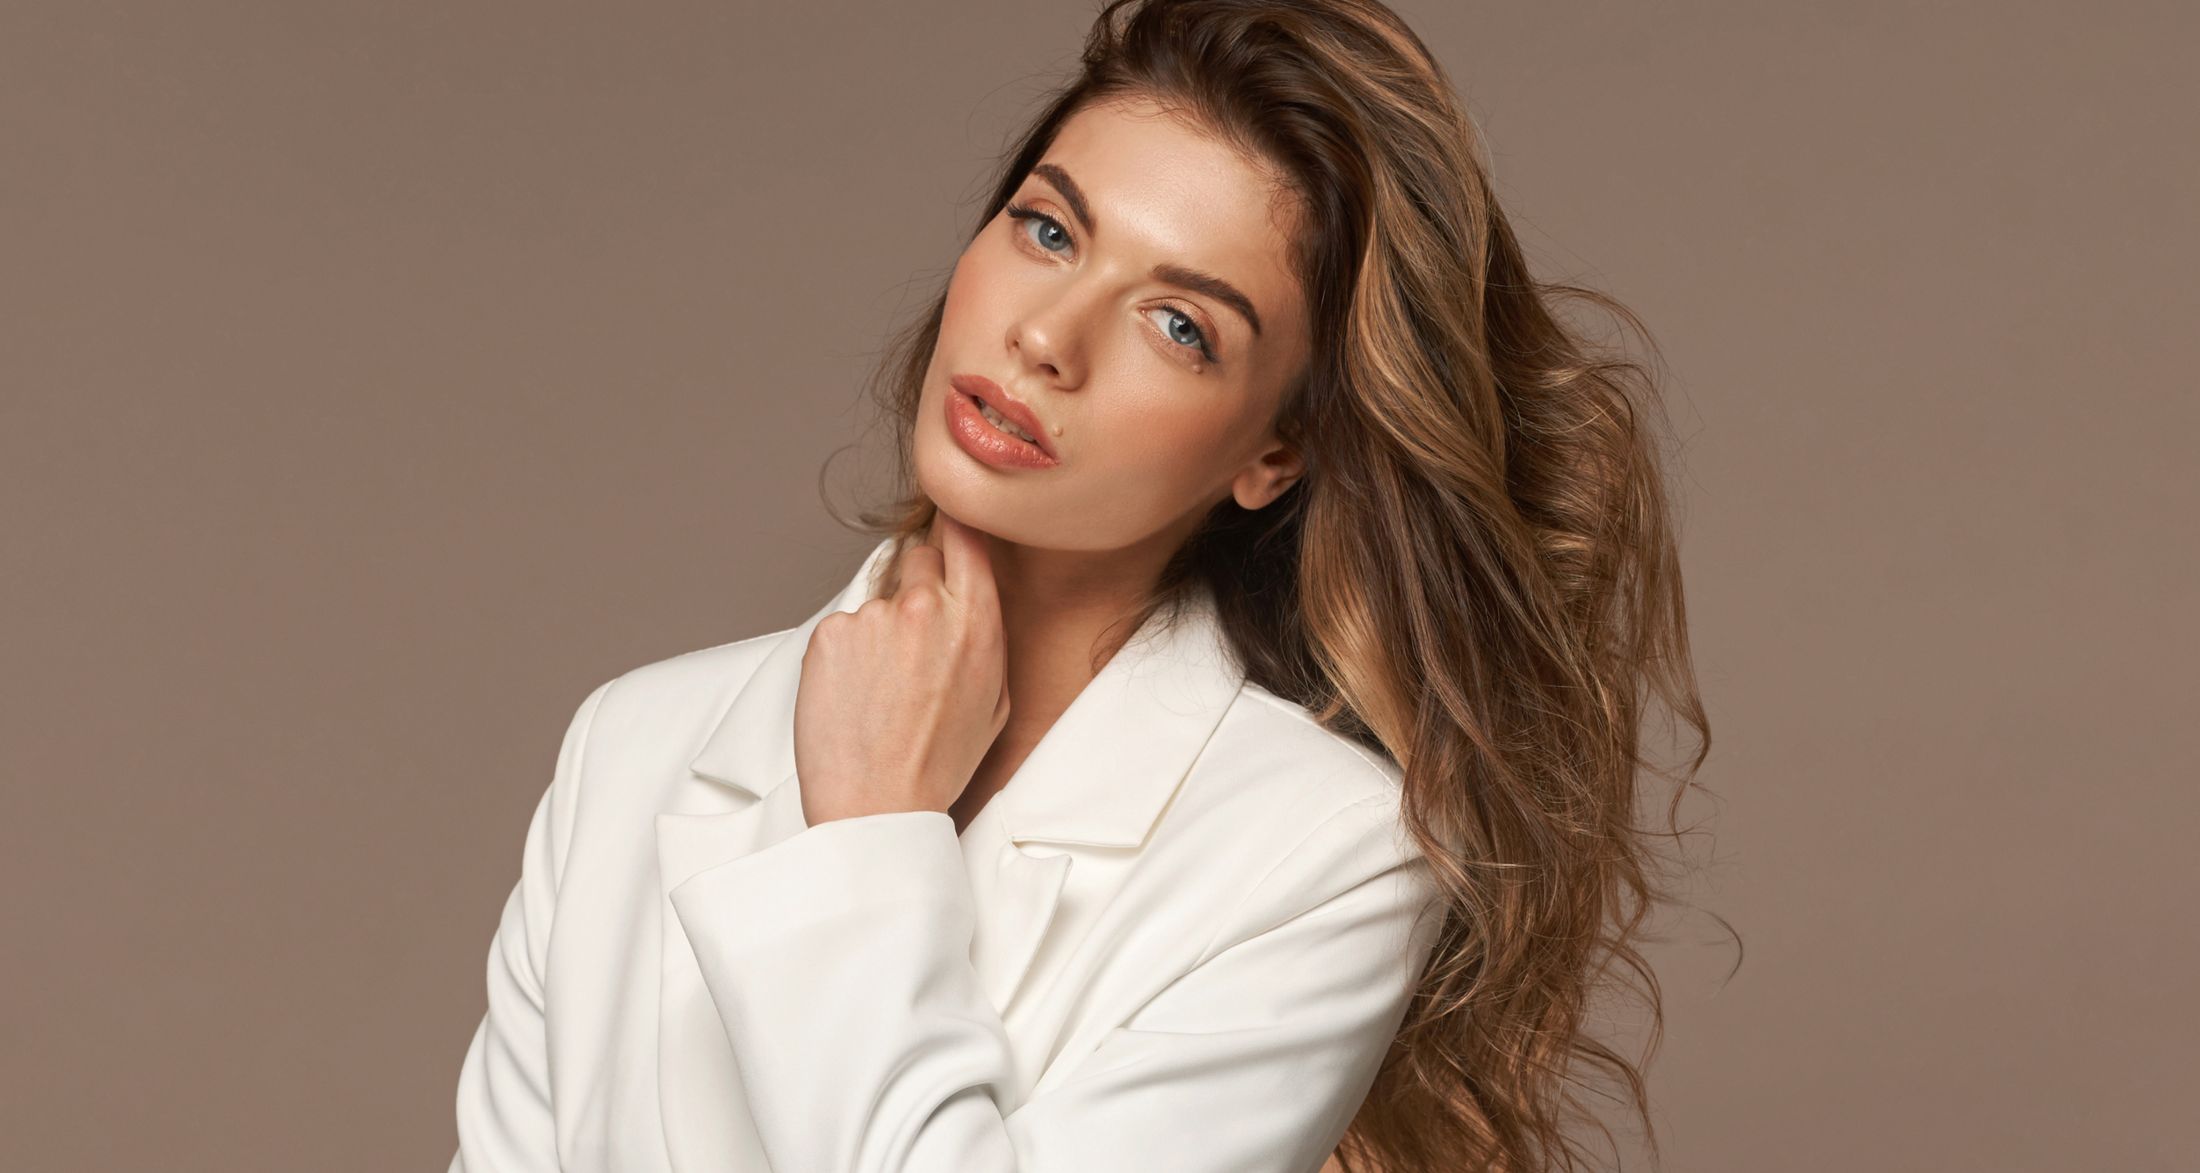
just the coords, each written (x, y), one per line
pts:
(971, 400)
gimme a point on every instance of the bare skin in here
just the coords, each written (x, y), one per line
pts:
(1160, 401)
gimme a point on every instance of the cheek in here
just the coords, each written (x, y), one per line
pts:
(1143, 467)
(977, 292)
(1159, 444)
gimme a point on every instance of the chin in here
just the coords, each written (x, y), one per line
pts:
(1005, 505)
(963, 491)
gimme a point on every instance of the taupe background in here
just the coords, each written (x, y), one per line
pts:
(375, 379)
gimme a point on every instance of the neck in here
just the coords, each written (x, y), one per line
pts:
(1056, 610)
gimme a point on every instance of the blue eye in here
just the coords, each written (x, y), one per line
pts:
(1198, 340)
(1046, 224)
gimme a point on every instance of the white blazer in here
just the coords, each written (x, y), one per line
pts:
(1181, 938)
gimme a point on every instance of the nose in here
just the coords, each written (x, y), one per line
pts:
(1047, 339)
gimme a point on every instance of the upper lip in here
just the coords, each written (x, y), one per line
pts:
(980, 387)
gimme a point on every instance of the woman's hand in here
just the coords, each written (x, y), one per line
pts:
(901, 698)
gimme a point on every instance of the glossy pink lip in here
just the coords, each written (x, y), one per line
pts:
(980, 387)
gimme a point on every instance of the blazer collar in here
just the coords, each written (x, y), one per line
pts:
(1099, 776)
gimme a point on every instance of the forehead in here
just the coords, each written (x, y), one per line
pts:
(1161, 190)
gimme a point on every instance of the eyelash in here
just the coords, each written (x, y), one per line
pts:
(1026, 212)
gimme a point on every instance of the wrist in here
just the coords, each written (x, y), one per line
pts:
(820, 813)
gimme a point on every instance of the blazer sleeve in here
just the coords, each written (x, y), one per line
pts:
(505, 1124)
(866, 1043)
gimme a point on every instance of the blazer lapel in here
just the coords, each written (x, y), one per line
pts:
(750, 751)
(1098, 779)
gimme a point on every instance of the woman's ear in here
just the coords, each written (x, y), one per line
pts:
(1267, 476)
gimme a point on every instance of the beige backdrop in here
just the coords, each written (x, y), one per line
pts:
(375, 379)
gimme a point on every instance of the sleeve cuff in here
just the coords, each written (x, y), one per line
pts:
(830, 873)
(839, 960)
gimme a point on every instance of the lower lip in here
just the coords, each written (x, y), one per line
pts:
(988, 443)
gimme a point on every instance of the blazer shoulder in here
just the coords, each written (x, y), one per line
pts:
(1302, 815)
(1266, 783)
(1284, 733)
(667, 705)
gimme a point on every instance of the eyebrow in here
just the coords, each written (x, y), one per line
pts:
(1177, 275)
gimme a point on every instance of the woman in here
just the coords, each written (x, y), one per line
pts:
(1228, 748)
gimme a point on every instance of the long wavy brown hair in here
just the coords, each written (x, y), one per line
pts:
(1477, 575)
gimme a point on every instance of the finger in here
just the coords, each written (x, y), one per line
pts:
(967, 564)
(921, 566)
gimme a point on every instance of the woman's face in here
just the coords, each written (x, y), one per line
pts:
(1105, 297)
